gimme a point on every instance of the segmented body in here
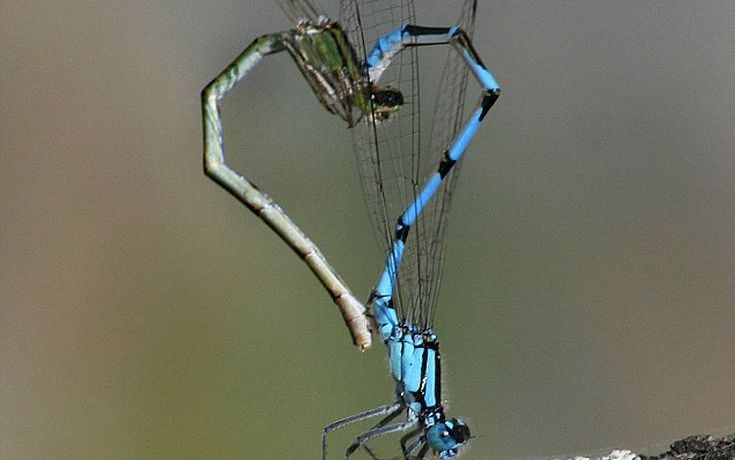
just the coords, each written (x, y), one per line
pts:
(345, 80)
(413, 348)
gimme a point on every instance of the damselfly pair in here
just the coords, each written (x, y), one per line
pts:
(364, 68)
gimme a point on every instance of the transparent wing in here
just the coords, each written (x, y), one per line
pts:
(385, 152)
(395, 158)
(381, 150)
(297, 10)
(448, 118)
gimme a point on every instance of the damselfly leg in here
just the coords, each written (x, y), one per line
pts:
(393, 410)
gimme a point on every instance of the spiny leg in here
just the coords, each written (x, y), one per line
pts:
(379, 431)
(381, 423)
(370, 452)
(392, 410)
(417, 433)
(259, 202)
(423, 451)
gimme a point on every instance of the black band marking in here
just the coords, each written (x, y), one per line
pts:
(419, 30)
(488, 100)
(402, 231)
(446, 164)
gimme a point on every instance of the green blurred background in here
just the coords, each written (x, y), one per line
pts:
(589, 291)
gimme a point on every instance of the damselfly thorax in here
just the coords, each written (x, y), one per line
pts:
(330, 65)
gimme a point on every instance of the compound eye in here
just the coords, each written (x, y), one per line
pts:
(388, 98)
(459, 431)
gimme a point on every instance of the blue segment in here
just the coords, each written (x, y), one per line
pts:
(395, 347)
(413, 211)
(385, 315)
(388, 278)
(486, 78)
(460, 145)
(411, 363)
(385, 46)
(415, 377)
(430, 391)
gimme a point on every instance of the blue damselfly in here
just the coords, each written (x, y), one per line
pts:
(408, 182)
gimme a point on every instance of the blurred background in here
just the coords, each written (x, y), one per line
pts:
(589, 290)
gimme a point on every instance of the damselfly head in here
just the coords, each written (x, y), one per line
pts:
(385, 101)
(447, 437)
